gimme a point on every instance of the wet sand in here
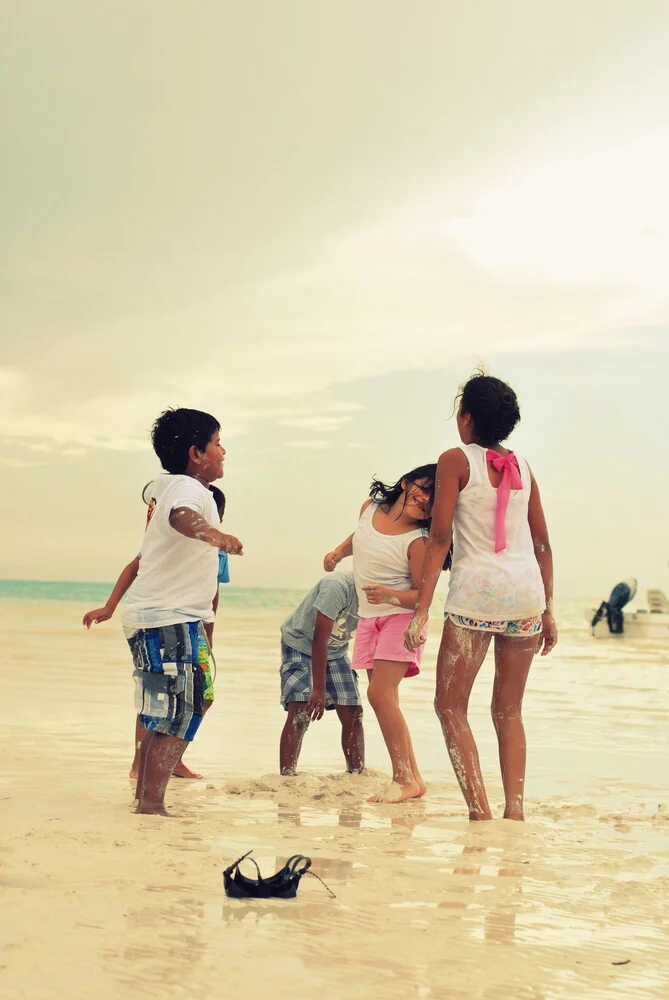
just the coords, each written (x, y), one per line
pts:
(97, 901)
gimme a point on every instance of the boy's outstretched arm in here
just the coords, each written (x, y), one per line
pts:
(319, 663)
(191, 524)
(127, 575)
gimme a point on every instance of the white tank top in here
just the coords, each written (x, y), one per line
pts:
(493, 586)
(382, 559)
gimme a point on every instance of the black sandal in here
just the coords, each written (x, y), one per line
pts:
(282, 885)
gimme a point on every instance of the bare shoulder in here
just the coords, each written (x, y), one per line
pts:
(417, 545)
(364, 507)
(453, 460)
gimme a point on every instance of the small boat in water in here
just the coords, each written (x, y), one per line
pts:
(609, 619)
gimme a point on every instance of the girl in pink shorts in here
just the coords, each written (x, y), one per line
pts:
(388, 547)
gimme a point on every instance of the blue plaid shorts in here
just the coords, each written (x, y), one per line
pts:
(171, 677)
(341, 683)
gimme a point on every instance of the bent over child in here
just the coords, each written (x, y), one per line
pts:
(316, 675)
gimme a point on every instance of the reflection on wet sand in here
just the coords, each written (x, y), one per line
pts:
(427, 905)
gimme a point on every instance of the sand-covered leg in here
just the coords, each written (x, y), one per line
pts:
(160, 754)
(384, 699)
(352, 737)
(296, 725)
(181, 770)
(513, 659)
(140, 732)
(461, 654)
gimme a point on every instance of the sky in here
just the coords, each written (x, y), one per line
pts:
(314, 220)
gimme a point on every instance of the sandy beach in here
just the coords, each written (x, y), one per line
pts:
(97, 901)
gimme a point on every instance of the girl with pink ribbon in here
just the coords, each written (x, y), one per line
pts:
(487, 502)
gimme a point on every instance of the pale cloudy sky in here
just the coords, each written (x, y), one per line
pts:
(313, 219)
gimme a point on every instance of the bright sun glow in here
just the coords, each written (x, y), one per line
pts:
(599, 219)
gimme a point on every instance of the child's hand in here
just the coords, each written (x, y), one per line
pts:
(97, 616)
(231, 545)
(331, 560)
(316, 704)
(376, 594)
(549, 633)
(414, 634)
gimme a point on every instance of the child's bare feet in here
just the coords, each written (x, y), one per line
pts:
(181, 771)
(399, 793)
(152, 809)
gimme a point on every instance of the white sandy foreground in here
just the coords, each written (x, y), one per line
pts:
(97, 902)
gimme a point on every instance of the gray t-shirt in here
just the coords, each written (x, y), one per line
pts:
(335, 597)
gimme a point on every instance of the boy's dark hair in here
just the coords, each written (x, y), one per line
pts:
(219, 497)
(492, 405)
(387, 495)
(174, 433)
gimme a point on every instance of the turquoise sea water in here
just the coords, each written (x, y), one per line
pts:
(97, 593)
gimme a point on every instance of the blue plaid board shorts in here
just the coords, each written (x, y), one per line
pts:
(171, 677)
(341, 683)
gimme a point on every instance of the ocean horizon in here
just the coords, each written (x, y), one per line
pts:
(97, 592)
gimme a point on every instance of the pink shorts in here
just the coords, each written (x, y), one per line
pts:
(382, 638)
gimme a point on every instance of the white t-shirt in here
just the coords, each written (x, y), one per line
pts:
(177, 576)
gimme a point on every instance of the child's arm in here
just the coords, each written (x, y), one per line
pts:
(319, 662)
(542, 550)
(191, 524)
(452, 475)
(377, 594)
(127, 576)
(209, 626)
(345, 549)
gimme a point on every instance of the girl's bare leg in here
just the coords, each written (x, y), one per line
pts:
(412, 757)
(461, 653)
(513, 659)
(384, 699)
(352, 737)
(296, 725)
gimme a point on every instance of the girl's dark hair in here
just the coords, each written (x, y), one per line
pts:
(176, 431)
(219, 497)
(387, 495)
(492, 405)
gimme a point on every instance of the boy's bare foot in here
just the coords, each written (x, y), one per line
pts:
(399, 793)
(181, 771)
(152, 809)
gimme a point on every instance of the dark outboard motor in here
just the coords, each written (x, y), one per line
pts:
(621, 594)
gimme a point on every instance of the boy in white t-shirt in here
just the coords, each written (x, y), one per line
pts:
(170, 600)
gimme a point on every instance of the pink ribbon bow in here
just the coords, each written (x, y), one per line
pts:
(508, 466)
